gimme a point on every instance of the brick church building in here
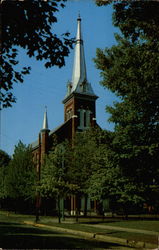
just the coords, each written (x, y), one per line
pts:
(79, 111)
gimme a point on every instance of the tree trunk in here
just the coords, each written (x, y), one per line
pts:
(125, 209)
(37, 215)
(59, 211)
(15, 205)
(77, 208)
(63, 209)
(85, 205)
(38, 204)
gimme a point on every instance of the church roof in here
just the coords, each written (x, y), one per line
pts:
(79, 82)
(35, 144)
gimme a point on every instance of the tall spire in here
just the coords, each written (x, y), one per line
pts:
(45, 121)
(79, 83)
(79, 67)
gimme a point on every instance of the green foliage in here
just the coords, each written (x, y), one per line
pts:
(130, 70)
(28, 24)
(107, 179)
(68, 167)
(4, 159)
(54, 181)
(81, 163)
(21, 176)
(4, 162)
(98, 166)
(90, 166)
(3, 173)
(136, 19)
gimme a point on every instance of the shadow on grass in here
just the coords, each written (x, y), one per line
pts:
(98, 222)
(19, 236)
(8, 223)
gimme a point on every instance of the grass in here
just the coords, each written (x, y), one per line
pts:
(27, 237)
(150, 225)
(136, 237)
(114, 233)
(14, 235)
(11, 226)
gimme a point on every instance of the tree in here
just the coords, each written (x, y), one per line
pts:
(54, 178)
(68, 167)
(4, 159)
(107, 182)
(130, 70)
(135, 19)
(4, 162)
(81, 166)
(21, 177)
(87, 155)
(28, 24)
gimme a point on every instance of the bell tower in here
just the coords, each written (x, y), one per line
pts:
(79, 102)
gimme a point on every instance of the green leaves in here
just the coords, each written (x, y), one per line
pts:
(4, 159)
(4, 162)
(68, 168)
(136, 19)
(130, 70)
(54, 181)
(21, 176)
(28, 24)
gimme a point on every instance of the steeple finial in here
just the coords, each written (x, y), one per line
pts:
(79, 17)
(45, 121)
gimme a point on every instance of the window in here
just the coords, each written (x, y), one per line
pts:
(85, 116)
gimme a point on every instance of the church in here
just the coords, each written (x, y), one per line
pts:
(79, 111)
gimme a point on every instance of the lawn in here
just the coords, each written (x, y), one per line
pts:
(151, 225)
(114, 233)
(13, 231)
(15, 235)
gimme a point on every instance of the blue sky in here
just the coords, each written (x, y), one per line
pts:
(47, 87)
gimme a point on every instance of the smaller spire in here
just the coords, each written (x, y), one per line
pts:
(45, 121)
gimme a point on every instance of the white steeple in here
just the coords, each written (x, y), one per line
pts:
(45, 121)
(79, 82)
(79, 67)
